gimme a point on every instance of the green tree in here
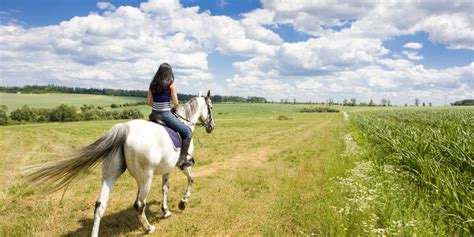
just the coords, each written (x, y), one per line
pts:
(89, 112)
(115, 114)
(23, 113)
(371, 103)
(344, 102)
(330, 101)
(353, 102)
(63, 113)
(42, 115)
(131, 114)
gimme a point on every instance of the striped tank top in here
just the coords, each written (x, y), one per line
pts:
(161, 101)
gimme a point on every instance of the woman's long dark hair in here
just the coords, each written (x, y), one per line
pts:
(164, 77)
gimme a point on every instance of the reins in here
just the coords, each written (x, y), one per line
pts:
(204, 123)
(187, 120)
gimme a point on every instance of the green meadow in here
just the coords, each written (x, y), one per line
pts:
(13, 101)
(266, 169)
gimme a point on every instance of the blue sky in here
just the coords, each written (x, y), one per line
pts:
(307, 50)
(48, 12)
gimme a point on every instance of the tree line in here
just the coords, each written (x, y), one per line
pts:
(371, 103)
(51, 88)
(65, 113)
(237, 99)
(353, 102)
(463, 102)
(345, 102)
(37, 89)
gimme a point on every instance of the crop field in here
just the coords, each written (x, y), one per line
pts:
(432, 149)
(266, 169)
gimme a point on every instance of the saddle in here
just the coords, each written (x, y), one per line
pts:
(175, 137)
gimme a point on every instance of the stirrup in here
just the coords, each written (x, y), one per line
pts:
(186, 163)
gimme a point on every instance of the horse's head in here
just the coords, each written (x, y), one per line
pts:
(206, 113)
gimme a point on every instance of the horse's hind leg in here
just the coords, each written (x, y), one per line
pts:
(184, 201)
(140, 203)
(111, 171)
(165, 188)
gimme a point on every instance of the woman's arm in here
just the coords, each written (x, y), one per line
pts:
(174, 96)
(149, 98)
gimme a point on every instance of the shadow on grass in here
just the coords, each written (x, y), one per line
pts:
(119, 223)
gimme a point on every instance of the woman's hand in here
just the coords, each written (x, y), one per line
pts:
(149, 98)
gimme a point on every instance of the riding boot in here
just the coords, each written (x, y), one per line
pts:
(183, 161)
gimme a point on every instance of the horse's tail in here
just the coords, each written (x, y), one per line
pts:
(59, 174)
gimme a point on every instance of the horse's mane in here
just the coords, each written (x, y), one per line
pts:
(190, 107)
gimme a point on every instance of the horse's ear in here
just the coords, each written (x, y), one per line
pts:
(208, 94)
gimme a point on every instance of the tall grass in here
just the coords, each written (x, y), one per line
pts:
(435, 149)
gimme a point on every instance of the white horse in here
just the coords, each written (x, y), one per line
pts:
(142, 147)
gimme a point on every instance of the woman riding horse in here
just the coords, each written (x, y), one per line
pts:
(143, 148)
(162, 90)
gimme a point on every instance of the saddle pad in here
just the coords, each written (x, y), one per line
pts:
(175, 137)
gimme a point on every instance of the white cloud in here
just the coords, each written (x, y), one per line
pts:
(105, 6)
(401, 82)
(413, 55)
(311, 16)
(445, 21)
(455, 30)
(259, 83)
(117, 49)
(330, 53)
(353, 60)
(413, 45)
(253, 23)
(165, 7)
(221, 33)
(222, 4)
(123, 48)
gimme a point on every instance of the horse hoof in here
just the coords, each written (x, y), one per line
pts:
(151, 230)
(166, 214)
(182, 205)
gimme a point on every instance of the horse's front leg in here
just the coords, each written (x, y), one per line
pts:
(165, 188)
(184, 201)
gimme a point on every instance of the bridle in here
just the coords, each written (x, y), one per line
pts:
(209, 118)
(205, 123)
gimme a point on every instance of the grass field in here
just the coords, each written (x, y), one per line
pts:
(13, 101)
(243, 169)
(255, 175)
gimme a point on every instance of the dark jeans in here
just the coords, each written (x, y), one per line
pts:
(173, 122)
